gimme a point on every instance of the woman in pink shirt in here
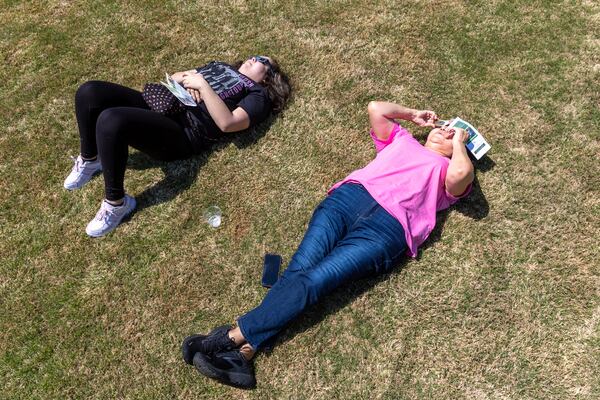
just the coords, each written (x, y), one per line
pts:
(366, 224)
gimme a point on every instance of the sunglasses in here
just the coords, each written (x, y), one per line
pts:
(265, 61)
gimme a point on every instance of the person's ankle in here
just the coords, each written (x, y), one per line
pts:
(115, 203)
(236, 336)
(89, 158)
(247, 351)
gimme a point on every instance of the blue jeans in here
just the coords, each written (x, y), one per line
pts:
(350, 236)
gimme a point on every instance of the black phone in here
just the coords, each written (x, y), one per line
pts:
(271, 269)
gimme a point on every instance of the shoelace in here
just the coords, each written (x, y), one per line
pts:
(104, 213)
(78, 163)
(221, 342)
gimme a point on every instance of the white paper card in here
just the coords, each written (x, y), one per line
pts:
(476, 143)
(179, 91)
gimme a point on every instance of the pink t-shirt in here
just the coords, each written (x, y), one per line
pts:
(407, 180)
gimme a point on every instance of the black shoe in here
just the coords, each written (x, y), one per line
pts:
(190, 347)
(216, 340)
(230, 368)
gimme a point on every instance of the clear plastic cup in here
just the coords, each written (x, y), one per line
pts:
(212, 215)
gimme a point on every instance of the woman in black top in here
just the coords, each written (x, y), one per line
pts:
(112, 117)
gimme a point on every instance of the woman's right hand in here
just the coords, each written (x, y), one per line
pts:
(425, 118)
(178, 76)
(195, 81)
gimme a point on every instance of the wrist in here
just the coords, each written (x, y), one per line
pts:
(203, 86)
(411, 114)
(459, 150)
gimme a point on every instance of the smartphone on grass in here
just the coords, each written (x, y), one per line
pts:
(271, 269)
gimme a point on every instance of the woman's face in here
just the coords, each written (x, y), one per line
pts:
(440, 140)
(256, 68)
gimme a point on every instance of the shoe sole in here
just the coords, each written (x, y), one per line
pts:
(241, 381)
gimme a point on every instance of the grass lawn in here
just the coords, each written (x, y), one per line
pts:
(503, 301)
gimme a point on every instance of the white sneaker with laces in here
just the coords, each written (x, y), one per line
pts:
(109, 217)
(82, 172)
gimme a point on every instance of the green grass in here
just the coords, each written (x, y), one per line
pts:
(503, 301)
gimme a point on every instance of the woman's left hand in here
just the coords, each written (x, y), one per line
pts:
(460, 136)
(425, 118)
(194, 81)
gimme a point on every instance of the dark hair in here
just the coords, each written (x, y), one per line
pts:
(277, 84)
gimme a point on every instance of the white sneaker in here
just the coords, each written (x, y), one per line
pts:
(82, 172)
(109, 217)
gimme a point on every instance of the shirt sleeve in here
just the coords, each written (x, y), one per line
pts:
(257, 104)
(397, 132)
(447, 199)
(453, 198)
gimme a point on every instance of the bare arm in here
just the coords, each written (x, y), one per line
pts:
(460, 171)
(226, 120)
(382, 115)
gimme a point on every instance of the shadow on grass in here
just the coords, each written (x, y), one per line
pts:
(181, 174)
(474, 206)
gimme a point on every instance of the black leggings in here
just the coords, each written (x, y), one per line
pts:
(112, 117)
